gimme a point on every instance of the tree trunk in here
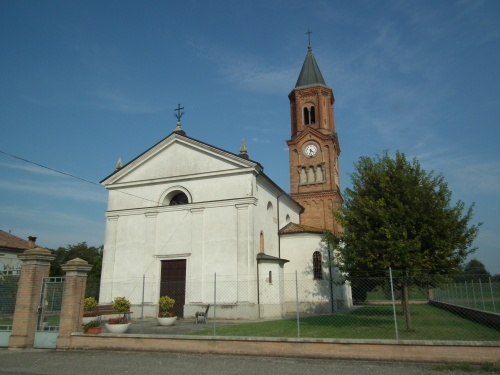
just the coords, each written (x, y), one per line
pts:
(405, 301)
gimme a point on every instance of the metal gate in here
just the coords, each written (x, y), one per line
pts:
(49, 312)
(9, 280)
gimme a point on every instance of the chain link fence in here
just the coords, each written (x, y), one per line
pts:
(422, 307)
(8, 292)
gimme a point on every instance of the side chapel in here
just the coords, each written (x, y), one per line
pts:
(188, 215)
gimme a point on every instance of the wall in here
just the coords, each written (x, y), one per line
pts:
(315, 296)
(387, 350)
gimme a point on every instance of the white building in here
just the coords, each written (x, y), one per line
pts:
(186, 214)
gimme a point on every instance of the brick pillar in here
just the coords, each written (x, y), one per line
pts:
(35, 266)
(72, 301)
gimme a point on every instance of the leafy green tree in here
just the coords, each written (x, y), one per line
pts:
(91, 254)
(400, 216)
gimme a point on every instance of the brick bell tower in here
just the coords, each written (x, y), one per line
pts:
(314, 148)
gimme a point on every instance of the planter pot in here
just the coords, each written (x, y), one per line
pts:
(166, 321)
(117, 328)
(89, 319)
(93, 331)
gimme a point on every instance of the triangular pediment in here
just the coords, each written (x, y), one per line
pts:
(177, 156)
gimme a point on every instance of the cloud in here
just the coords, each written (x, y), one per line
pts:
(57, 190)
(247, 71)
(31, 168)
(48, 217)
(263, 130)
(54, 228)
(261, 140)
(115, 100)
(468, 172)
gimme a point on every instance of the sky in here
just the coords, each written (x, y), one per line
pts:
(86, 82)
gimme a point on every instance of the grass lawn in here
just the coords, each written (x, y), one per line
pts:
(369, 322)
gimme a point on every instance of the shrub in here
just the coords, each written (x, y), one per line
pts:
(121, 304)
(89, 304)
(166, 303)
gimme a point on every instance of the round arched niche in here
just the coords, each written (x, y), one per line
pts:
(270, 208)
(175, 196)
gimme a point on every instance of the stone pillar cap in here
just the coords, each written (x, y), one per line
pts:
(36, 254)
(76, 266)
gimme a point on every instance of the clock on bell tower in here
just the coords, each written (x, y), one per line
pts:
(314, 148)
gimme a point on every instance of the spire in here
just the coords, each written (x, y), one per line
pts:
(310, 74)
(119, 165)
(243, 150)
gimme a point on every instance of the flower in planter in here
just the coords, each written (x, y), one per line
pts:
(117, 321)
(166, 314)
(89, 314)
(166, 303)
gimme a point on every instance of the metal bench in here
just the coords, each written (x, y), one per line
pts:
(108, 310)
(202, 315)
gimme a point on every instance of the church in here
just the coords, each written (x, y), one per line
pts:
(204, 225)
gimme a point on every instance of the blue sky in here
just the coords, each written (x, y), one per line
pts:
(85, 82)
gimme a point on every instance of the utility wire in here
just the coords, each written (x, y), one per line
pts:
(70, 175)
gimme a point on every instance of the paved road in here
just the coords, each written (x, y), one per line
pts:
(43, 362)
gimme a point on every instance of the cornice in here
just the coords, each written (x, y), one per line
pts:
(319, 194)
(197, 176)
(185, 207)
(154, 150)
(309, 91)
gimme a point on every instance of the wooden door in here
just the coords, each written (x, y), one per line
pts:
(173, 283)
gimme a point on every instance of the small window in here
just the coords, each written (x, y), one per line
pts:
(317, 269)
(261, 242)
(270, 277)
(287, 219)
(179, 199)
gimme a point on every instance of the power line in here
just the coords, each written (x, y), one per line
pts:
(73, 176)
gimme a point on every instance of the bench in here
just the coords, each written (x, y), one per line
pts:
(108, 310)
(202, 315)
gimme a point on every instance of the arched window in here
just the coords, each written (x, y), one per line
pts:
(306, 116)
(178, 199)
(176, 195)
(317, 269)
(261, 242)
(309, 115)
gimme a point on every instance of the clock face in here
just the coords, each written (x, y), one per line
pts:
(311, 150)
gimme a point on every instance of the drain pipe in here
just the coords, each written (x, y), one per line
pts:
(279, 241)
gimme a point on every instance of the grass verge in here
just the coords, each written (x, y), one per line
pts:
(369, 322)
(466, 367)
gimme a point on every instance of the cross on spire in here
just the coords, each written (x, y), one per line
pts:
(309, 35)
(178, 115)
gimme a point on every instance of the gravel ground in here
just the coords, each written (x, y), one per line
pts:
(42, 361)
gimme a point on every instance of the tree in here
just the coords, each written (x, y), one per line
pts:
(400, 216)
(91, 254)
(473, 270)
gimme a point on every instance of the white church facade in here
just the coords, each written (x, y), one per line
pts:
(185, 216)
